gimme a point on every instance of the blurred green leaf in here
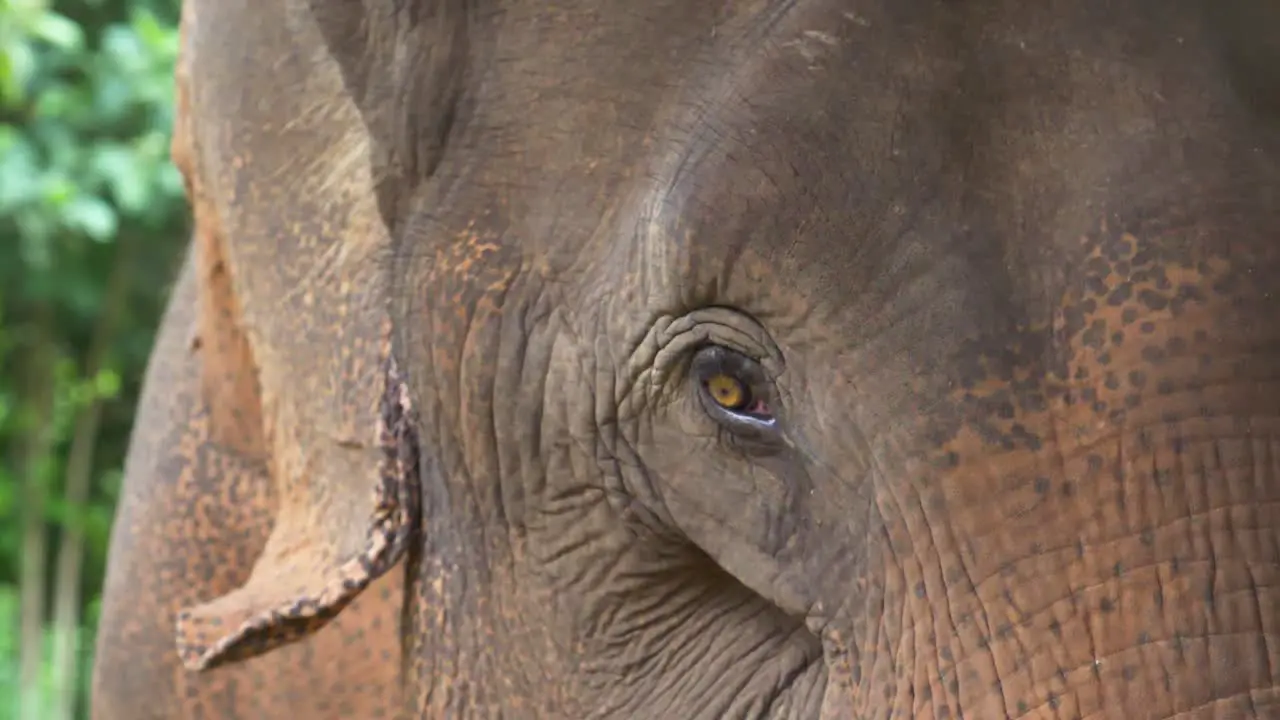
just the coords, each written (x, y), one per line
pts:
(107, 384)
(93, 216)
(8, 496)
(19, 167)
(124, 173)
(57, 189)
(17, 63)
(122, 47)
(58, 31)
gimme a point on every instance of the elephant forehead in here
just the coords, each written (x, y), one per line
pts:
(862, 146)
(941, 194)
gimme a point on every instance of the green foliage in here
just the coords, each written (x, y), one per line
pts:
(9, 649)
(91, 217)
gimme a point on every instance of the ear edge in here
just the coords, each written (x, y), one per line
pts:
(261, 615)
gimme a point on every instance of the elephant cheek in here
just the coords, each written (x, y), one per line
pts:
(1158, 604)
(1100, 540)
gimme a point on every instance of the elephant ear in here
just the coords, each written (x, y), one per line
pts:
(405, 65)
(305, 577)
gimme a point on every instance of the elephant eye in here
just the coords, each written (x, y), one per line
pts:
(728, 392)
(733, 389)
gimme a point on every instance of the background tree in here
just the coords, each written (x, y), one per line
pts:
(92, 225)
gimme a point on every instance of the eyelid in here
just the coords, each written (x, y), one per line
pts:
(767, 368)
(737, 330)
(730, 359)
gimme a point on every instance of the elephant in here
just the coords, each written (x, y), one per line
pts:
(802, 359)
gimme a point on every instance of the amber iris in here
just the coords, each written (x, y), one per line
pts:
(727, 391)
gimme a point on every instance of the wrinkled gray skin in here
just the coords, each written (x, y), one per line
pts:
(1004, 276)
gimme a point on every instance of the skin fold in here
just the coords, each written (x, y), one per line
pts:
(806, 359)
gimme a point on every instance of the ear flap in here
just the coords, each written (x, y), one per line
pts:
(404, 64)
(305, 577)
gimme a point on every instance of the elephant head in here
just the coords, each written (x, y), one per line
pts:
(804, 359)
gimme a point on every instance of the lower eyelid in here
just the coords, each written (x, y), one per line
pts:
(769, 422)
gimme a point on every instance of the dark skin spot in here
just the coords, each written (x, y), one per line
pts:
(1153, 355)
(1120, 296)
(1095, 336)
